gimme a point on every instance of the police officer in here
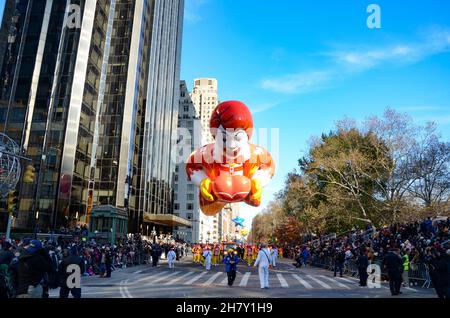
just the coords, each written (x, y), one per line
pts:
(394, 267)
(70, 258)
(405, 275)
(231, 260)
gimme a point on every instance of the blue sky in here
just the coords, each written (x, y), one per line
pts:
(301, 65)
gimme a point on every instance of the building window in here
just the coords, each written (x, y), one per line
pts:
(190, 206)
(176, 206)
(186, 108)
(189, 216)
(190, 187)
(190, 196)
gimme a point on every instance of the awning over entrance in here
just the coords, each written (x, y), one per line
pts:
(166, 219)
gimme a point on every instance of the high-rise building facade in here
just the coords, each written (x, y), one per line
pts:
(205, 98)
(186, 203)
(89, 90)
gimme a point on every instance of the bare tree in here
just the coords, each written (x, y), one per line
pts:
(398, 133)
(432, 169)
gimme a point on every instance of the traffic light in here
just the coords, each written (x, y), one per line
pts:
(13, 200)
(28, 176)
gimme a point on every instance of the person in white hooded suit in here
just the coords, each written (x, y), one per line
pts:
(207, 254)
(171, 256)
(264, 260)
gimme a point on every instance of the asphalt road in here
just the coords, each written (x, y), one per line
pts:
(188, 280)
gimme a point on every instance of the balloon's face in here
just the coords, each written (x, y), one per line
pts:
(231, 142)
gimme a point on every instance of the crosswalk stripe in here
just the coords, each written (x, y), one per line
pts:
(354, 280)
(161, 274)
(412, 289)
(224, 282)
(212, 279)
(164, 277)
(302, 281)
(346, 280)
(244, 279)
(283, 282)
(335, 281)
(178, 278)
(196, 278)
(324, 285)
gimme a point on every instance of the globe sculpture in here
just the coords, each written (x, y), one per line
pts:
(9, 165)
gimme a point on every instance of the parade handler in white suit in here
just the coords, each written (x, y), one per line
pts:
(264, 260)
(207, 255)
(274, 253)
(171, 256)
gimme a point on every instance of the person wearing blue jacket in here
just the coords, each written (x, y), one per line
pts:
(231, 260)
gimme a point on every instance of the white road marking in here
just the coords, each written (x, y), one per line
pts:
(121, 290)
(335, 281)
(324, 285)
(163, 277)
(411, 289)
(283, 282)
(302, 281)
(179, 278)
(125, 289)
(346, 280)
(244, 280)
(224, 282)
(150, 277)
(196, 278)
(212, 279)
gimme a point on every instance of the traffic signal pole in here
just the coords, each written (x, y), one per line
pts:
(12, 202)
(8, 228)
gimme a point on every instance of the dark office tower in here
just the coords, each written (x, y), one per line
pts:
(89, 89)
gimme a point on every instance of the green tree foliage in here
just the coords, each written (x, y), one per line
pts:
(385, 171)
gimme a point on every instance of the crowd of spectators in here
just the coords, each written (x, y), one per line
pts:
(419, 238)
(421, 246)
(95, 258)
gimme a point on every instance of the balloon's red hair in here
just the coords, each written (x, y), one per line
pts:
(232, 115)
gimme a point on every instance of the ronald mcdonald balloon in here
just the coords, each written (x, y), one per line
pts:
(230, 169)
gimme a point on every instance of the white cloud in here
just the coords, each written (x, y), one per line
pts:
(297, 83)
(192, 10)
(347, 62)
(263, 107)
(440, 120)
(434, 41)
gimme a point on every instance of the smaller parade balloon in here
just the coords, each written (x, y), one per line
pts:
(244, 232)
(238, 221)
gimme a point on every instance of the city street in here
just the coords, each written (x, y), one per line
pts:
(188, 280)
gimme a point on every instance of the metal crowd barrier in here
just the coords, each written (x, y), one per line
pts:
(418, 274)
(350, 267)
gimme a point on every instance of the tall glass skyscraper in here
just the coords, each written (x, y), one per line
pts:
(89, 89)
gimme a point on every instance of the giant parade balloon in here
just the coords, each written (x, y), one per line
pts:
(231, 169)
